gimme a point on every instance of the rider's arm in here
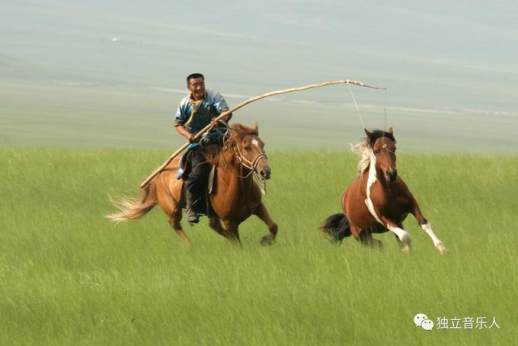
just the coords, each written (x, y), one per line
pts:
(181, 117)
(221, 105)
(183, 132)
(227, 117)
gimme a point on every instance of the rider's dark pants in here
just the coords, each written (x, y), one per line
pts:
(197, 180)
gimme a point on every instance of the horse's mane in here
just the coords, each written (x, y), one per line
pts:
(376, 134)
(244, 130)
(364, 148)
(235, 132)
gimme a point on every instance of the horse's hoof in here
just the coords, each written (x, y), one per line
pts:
(441, 248)
(405, 238)
(406, 249)
(267, 240)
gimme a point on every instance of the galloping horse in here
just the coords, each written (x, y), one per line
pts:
(234, 197)
(378, 200)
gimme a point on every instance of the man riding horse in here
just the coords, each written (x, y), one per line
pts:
(198, 109)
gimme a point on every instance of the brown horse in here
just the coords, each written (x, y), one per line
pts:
(378, 200)
(235, 195)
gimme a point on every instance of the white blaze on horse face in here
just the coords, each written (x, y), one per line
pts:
(427, 228)
(255, 142)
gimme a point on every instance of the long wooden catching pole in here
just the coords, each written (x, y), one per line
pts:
(244, 103)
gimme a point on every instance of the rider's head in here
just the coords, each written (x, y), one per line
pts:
(196, 85)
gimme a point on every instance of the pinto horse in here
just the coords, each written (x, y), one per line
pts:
(235, 195)
(378, 200)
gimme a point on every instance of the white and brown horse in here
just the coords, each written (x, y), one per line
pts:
(378, 200)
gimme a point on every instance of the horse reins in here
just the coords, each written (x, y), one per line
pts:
(243, 161)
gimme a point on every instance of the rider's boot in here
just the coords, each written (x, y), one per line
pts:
(192, 215)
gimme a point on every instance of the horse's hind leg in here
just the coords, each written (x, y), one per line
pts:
(171, 208)
(262, 213)
(366, 239)
(174, 221)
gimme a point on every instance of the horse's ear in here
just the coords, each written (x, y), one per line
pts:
(256, 127)
(391, 131)
(368, 133)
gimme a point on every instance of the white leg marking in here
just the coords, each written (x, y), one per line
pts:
(427, 228)
(402, 235)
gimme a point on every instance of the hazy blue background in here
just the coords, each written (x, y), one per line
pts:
(451, 70)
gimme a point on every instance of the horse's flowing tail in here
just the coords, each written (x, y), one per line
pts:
(130, 208)
(337, 227)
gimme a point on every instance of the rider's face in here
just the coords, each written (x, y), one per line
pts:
(197, 88)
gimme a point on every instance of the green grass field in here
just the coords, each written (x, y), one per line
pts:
(88, 91)
(68, 276)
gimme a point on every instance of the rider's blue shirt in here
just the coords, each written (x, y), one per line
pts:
(195, 115)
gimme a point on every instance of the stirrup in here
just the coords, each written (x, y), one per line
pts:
(192, 216)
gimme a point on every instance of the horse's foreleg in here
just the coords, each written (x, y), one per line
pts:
(168, 199)
(215, 224)
(232, 231)
(262, 213)
(402, 235)
(427, 228)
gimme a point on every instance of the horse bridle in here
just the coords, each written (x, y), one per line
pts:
(376, 152)
(243, 161)
(383, 148)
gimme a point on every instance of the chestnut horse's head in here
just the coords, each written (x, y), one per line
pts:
(383, 145)
(249, 149)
